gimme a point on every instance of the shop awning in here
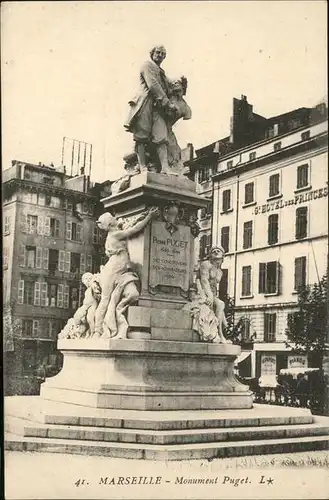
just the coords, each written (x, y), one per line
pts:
(244, 355)
(297, 371)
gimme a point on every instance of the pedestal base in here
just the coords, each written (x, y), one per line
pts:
(148, 375)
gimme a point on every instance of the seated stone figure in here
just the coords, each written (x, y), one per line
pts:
(208, 278)
(83, 322)
(204, 320)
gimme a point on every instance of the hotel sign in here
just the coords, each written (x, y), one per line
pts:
(299, 198)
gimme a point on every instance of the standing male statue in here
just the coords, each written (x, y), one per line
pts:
(153, 111)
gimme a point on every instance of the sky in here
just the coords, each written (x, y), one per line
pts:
(70, 68)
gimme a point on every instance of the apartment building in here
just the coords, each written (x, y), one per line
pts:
(269, 212)
(50, 239)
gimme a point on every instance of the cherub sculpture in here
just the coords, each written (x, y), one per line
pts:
(83, 322)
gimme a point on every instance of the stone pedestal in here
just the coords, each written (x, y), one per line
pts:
(161, 365)
(148, 375)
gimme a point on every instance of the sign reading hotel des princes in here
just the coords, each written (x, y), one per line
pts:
(170, 256)
(299, 198)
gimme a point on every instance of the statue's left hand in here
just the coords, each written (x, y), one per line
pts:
(154, 212)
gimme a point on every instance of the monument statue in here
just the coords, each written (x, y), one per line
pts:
(110, 292)
(204, 321)
(158, 105)
(209, 276)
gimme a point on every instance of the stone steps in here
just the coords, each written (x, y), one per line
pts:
(21, 427)
(37, 424)
(167, 452)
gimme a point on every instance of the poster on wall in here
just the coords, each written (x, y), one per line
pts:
(297, 361)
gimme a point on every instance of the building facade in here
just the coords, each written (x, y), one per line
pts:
(269, 213)
(50, 239)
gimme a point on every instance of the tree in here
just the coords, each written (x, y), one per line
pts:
(308, 326)
(234, 331)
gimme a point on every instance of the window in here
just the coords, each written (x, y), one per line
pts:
(247, 234)
(226, 200)
(74, 298)
(274, 185)
(52, 294)
(306, 135)
(27, 328)
(245, 329)
(97, 237)
(205, 244)
(225, 238)
(301, 223)
(7, 223)
(302, 176)
(30, 357)
(75, 263)
(54, 228)
(273, 229)
(53, 260)
(29, 197)
(223, 285)
(249, 193)
(206, 212)
(28, 292)
(277, 146)
(229, 164)
(73, 231)
(32, 224)
(252, 156)
(205, 174)
(246, 281)
(300, 272)
(30, 257)
(269, 327)
(269, 277)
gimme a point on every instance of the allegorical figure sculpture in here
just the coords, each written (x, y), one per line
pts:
(118, 271)
(204, 321)
(208, 278)
(153, 111)
(109, 293)
(83, 322)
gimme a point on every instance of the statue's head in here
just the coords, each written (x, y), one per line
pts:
(86, 279)
(216, 254)
(107, 222)
(158, 54)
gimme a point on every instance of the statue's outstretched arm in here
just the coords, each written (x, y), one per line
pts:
(138, 227)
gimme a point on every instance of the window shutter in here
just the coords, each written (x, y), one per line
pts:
(262, 278)
(20, 295)
(89, 263)
(7, 225)
(82, 263)
(38, 260)
(35, 329)
(69, 230)
(61, 260)
(67, 264)
(5, 257)
(45, 258)
(60, 295)
(47, 226)
(278, 277)
(23, 223)
(66, 296)
(37, 293)
(22, 256)
(44, 294)
(40, 229)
